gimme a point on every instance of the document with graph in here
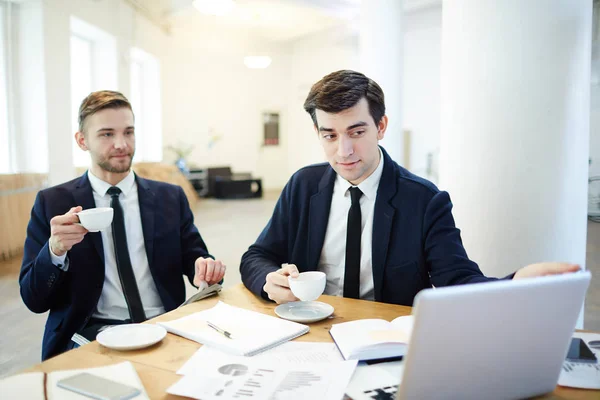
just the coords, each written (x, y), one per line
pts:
(254, 379)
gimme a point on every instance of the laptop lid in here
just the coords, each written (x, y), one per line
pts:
(502, 339)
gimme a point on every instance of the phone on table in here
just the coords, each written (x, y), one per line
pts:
(99, 388)
(580, 352)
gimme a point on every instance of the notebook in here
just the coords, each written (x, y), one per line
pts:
(370, 339)
(250, 332)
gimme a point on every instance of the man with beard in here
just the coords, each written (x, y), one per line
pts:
(130, 272)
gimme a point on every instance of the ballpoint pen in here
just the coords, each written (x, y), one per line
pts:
(221, 331)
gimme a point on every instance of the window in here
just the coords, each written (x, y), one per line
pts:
(81, 86)
(93, 67)
(6, 143)
(145, 100)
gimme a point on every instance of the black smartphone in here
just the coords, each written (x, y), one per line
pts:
(580, 352)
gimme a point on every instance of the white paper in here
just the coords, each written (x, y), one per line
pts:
(280, 381)
(207, 359)
(404, 323)
(123, 373)
(582, 375)
(251, 332)
(375, 381)
(23, 386)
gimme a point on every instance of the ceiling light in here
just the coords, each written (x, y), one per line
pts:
(214, 7)
(257, 62)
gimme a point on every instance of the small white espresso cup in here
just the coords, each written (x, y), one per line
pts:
(96, 219)
(308, 286)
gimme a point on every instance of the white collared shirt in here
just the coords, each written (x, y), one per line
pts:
(112, 303)
(333, 255)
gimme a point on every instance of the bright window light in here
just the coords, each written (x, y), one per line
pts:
(94, 67)
(145, 99)
(257, 62)
(5, 143)
(214, 7)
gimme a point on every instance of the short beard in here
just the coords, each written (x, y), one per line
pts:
(105, 165)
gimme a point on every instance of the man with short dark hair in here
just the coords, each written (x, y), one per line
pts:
(128, 273)
(378, 231)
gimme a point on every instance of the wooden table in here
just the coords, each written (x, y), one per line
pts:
(157, 365)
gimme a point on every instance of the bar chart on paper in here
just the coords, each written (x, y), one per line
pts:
(277, 381)
(296, 384)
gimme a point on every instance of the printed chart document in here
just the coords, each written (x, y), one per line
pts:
(249, 332)
(582, 375)
(368, 339)
(202, 362)
(281, 381)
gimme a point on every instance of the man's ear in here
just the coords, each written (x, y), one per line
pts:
(80, 139)
(381, 127)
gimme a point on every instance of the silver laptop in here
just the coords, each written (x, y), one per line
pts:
(497, 340)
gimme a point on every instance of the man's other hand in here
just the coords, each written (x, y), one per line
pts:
(543, 269)
(65, 232)
(208, 270)
(277, 286)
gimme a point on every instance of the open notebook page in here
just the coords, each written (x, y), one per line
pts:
(251, 332)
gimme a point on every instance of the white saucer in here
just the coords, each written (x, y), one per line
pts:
(304, 311)
(131, 336)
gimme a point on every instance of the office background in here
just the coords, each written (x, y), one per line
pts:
(497, 103)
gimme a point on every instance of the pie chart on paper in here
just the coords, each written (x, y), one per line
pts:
(233, 369)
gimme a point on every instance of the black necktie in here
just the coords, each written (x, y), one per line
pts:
(130, 289)
(353, 234)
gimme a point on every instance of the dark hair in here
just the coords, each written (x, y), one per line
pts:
(341, 90)
(100, 100)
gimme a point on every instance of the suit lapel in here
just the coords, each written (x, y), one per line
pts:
(84, 197)
(383, 217)
(320, 204)
(147, 202)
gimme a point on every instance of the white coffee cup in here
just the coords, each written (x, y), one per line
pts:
(96, 219)
(308, 286)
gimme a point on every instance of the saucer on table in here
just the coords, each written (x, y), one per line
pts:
(131, 336)
(304, 311)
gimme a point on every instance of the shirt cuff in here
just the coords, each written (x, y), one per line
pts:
(62, 262)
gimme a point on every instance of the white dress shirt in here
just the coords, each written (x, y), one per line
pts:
(333, 255)
(112, 303)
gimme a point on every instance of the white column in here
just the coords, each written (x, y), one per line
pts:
(381, 42)
(515, 128)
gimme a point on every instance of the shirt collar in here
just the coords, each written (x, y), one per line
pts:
(101, 187)
(368, 186)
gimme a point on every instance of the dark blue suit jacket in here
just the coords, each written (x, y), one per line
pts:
(415, 242)
(172, 245)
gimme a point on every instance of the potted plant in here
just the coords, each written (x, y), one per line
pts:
(182, 151)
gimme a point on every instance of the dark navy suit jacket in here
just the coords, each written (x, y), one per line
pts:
(415, 241)
(172, 246)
